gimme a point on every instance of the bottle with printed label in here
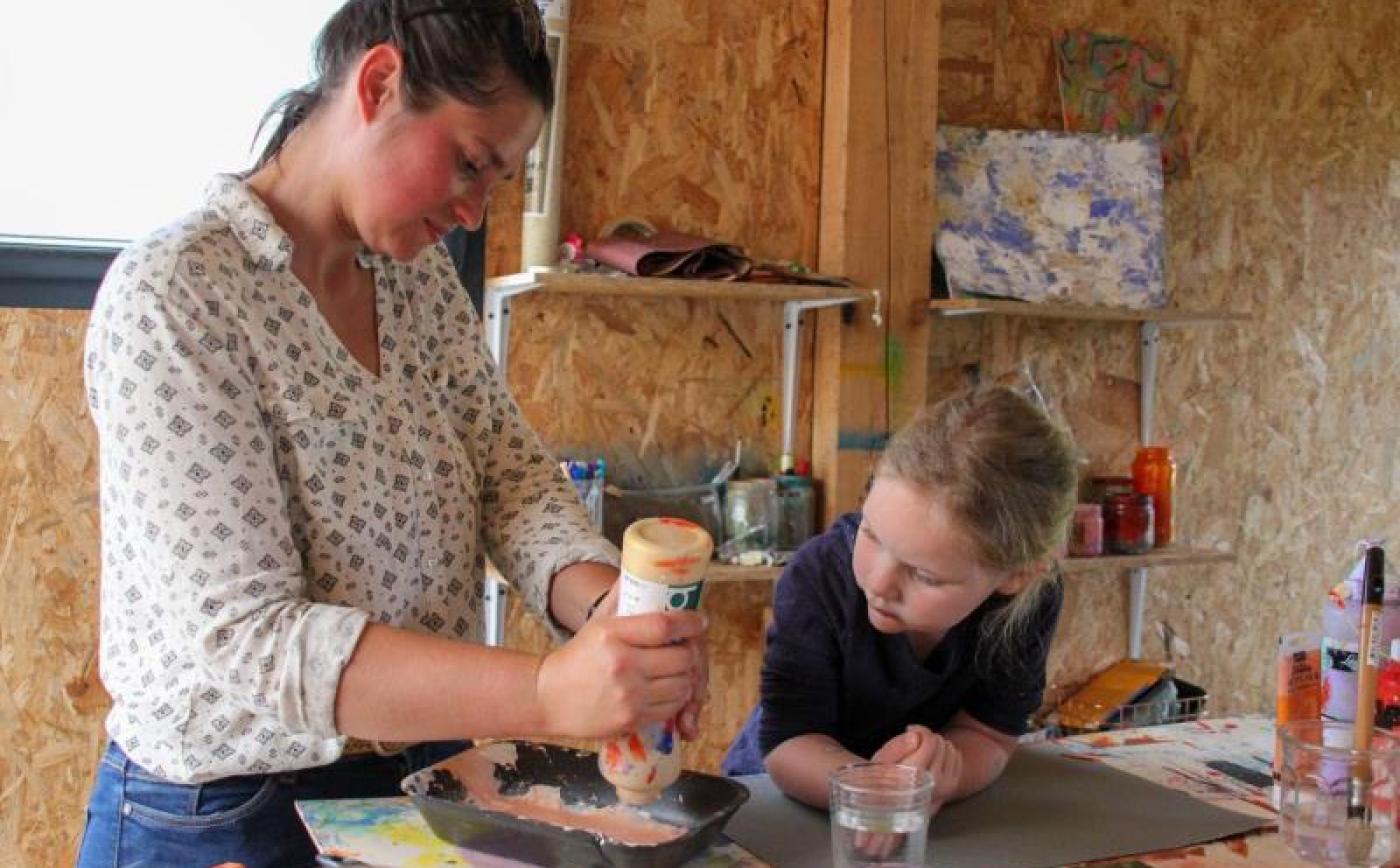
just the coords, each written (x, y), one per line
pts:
(1341, 647)
(663, 569)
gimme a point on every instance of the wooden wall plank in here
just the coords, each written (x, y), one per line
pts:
(51, 702)
(1283, 427)
(877, 227)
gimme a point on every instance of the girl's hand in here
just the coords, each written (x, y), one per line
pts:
(909, 748)
(946, 765)
(922, 748)
(619, 673)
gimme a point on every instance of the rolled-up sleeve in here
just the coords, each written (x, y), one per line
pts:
(532, 522)
(196, 511)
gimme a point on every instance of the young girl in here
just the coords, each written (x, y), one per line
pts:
(916, 631)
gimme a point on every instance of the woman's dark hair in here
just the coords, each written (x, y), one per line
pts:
(465, 49)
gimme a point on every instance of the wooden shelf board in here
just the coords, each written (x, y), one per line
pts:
(735, 573)
(1000, 307)
(663, 287)
(1171, 556)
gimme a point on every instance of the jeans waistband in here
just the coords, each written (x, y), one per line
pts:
(116, 758)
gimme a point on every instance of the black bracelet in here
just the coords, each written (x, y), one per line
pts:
(588, 616)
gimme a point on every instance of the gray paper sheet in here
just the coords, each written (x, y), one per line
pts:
(1045, 810)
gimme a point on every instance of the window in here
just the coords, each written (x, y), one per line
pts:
(117, 114)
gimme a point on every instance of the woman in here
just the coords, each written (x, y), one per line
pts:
(306, 456)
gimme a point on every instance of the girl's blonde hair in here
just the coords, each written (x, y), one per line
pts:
(1006, 472)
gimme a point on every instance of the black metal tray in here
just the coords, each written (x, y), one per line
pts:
(699, 803)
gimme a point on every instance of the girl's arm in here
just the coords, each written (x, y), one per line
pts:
(802, 765)
(984, 750)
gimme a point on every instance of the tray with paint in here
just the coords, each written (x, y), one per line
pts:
(544, 804)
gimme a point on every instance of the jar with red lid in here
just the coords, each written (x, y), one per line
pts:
(1128, 524)
(1154, 473)
(1086, 536)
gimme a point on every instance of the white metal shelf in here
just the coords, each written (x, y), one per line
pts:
(796, 299)
(1150, 324)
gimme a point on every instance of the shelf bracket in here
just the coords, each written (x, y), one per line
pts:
(792, 330)
(1151, 334)
(1137, 603)
(495, 304)
(1151, 338)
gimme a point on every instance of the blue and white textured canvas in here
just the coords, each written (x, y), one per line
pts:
(1051, 217)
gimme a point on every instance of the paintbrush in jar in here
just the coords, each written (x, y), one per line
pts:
(1358, 835)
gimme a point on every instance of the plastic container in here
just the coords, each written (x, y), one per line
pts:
(699, 803)
(702, 504)
(1128, 524)
(797, 511)
(1086, 536)
(1154, 474)
(1341, 624)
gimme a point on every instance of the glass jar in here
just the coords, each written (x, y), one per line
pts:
(797, 511)
(1086, 537)
(1128, 524)
(1154, 473)
(749, 515)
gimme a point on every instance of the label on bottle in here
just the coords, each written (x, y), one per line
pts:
(1340, 655)
(639, 597)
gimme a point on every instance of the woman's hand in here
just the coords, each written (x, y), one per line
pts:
(688, 721)
(619, 673)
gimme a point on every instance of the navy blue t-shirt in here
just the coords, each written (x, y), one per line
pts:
(826, 670)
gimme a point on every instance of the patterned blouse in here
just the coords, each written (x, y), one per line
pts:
(263, 495)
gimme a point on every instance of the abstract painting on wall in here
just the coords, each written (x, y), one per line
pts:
(1048, 216)
(1111, 84)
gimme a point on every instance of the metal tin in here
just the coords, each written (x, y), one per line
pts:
(699, 803)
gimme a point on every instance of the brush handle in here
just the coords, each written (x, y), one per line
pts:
(1366, 678)
(1365, 696)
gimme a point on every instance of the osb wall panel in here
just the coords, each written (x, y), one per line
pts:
(736, 611)
(704, 117)
(1284, 428)
(51, 702)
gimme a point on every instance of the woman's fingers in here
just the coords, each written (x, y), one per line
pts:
(658, 628)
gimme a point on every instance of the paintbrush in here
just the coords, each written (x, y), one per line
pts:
(1358, 835)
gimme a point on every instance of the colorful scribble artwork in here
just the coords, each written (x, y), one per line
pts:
(391, 833)
(1110, 84)
(1051, 217)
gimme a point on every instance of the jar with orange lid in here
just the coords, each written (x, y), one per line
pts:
(1154, 473)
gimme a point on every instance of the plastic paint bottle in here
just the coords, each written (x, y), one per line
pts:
(1299, 685)
(1341, 624)
(663, 569)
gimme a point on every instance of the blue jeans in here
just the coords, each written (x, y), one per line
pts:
(137, 819)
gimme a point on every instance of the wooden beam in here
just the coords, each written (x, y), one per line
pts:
(876, 227)
(911, 87)
(851, 413)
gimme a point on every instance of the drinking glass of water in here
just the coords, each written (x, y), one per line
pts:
(879, 815)
(1337, 804)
